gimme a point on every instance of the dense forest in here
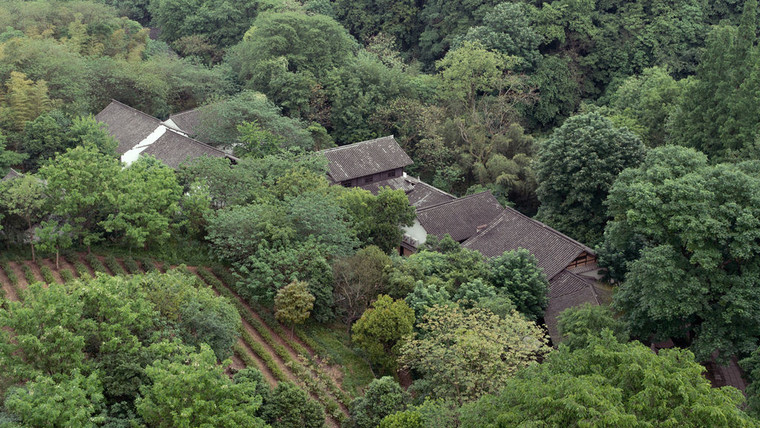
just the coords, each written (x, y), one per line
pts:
(249, 291)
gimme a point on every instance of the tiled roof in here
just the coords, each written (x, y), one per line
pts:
(567, 290)
(12, 173)
(129, 126)
(512, 230)
(365, 158)
(420, 194)
(186, 121)
(173, 149)
(461, 218)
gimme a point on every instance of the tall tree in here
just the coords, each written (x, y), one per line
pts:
(381, 330)
(293, 304)
(516, 275)
(464, 354)
(717, 115)
(25, 197)
(687, 232)
(576, 168)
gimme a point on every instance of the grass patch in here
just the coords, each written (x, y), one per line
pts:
(336, 344)
(66, 275)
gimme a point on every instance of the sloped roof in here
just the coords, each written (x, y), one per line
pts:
(512, 230)
(567, 290)
(461, 218)
(365, 158)
(129, 126)
(186, 121)
(12, 173)
(420, 194)
(173, 149)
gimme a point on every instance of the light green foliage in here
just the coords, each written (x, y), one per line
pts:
(76, 401)
(382, 397)
(645, 103)
(256, 142)
(53, 237)
(196, 392)
(508, 29)
(717, 114)
(612, 384)
(79, 184)
(577, 325)
(24, 99)
(293, 303)
(686, 230)
(289, 407)
(358, 281)
(575, 170)
(147, 196)
(464, 354)
(473, 292)
(516, 275)
(381, 330)
(446, 260)
(472, 70)
(378, 219)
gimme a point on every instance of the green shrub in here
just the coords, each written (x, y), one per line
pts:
(47, 274)
(132, 266)
(95, 263)
(114, 266)
(82, 270)
(66, 275)
(28, 274)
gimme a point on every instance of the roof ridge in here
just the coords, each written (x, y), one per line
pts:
(183, 112)
(138, 111)
(169, 129)
(455, 200)
(432, 187)
(332, 149)
(551, 229)
(579, 278)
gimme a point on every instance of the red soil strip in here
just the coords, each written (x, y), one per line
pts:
(10, 292)
(19, 274)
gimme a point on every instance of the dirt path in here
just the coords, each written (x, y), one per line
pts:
(10, 292)
(35, 271)
(51, 265)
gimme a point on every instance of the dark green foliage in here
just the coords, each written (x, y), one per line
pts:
(516, 274)
(66, 275)
(377, 220)
(114, 266)
(95, 263)
(47, 273)
(718, 113)
(559, 93)
(382, 397)
(290, 407)
(132, 266)
(680, 228)
(751, 367)
(28, 274)
(576, 168)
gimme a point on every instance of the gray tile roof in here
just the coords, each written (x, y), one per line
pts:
(512, 230)
(12, 173)
(129, 126)
(420, 194)
(365, 158)
(173, 149)
(187, 121)
(567, 290)
(461, 218)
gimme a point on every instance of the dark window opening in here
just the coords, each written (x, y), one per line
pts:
(346, 183)
(368, 180)
(392, 174)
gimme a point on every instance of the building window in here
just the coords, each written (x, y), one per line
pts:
(391, 174)
(346, 183)
(368, 180)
